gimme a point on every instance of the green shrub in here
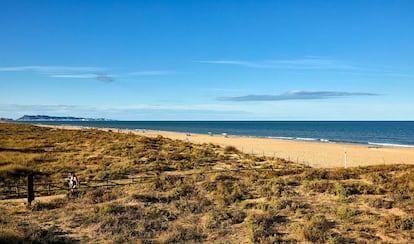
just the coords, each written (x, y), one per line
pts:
(316, 229)
(131, 221)
(378, 177)
(271, 189)
(100, 195)
(324, 174)
(227, 188)
(110, 208)
(224, 217)
(380, 203)
(262, 226)
(53, 204)
(320, 186)
(180, 234)
(341, 191)
(231, 149)
(198, 205)
(182, 190)
(393, 222)
(346, 213)
(284, 203)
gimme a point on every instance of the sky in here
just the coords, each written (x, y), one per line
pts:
(208, 60)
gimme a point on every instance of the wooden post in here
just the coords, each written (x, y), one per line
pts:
(345, 158)
(30, 190)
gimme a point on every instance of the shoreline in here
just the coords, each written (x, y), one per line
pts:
(313, 153)
(284, 138)
(310, 140)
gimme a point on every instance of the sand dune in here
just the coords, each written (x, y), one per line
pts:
(316, 154)
(312, 153)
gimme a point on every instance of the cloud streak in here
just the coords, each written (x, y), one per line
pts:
(152, 73)
(48, 69)
(68, 72)
(36, 109)
(74, 76)
(92, 111)
(104, 78)
(296, 95)
(303, 63)
(99, 77)
(82, 72)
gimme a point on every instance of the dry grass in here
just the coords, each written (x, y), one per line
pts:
(252, 199)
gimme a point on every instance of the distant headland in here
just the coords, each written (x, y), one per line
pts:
(57, 118)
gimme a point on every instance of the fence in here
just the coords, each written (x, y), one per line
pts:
(12, 191)
(48, 188)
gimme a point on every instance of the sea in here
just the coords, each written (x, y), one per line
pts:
(375, 133)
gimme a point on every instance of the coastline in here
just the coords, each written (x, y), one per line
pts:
(375, 133)
(312, 153)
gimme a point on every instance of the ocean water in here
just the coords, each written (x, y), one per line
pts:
(391, 133)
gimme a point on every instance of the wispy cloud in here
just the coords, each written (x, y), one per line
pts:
(303, 63)
(104, 78)
(74, 76)
(48, 69)
(193, 108)
(82, 72)
(36, 109)
(110, 111)
(237, 62)
(153, 73)
(297, 95)
(68, 72)
(100, 76)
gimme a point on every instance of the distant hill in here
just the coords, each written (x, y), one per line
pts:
(5, 119)
(57, 118)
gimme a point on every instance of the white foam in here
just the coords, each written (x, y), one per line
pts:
(281, 137)
(389, 145)
(306, 139)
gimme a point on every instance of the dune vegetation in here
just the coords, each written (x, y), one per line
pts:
(183, 192)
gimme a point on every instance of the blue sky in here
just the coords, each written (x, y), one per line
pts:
(208, 60)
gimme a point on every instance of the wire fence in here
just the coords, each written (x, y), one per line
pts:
(43, 187)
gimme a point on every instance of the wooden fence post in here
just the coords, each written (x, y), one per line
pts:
(30, 190)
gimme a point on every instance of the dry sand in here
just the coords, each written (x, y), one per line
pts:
(323, 155)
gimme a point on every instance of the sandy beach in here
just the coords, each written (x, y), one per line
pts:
(311, 153)
(315, 154)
